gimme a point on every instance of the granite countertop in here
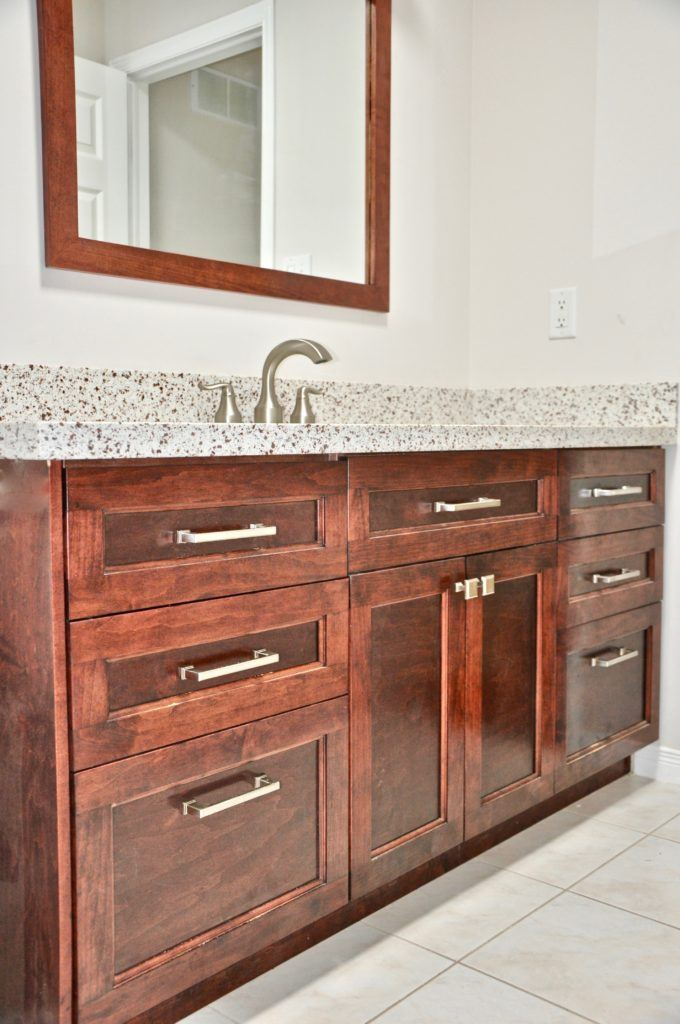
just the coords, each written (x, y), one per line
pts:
(61, 413)
(47, 441)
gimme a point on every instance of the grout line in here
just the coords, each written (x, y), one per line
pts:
(418, 945)
(560, 892)
(625, 910)
(604, 863)
(603, 821)
(534, 995)
(408, 995)
(669, 839)
(527, 878)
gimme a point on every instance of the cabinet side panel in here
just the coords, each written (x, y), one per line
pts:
(35, 901)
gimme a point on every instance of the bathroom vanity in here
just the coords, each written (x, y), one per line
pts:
(253, 699)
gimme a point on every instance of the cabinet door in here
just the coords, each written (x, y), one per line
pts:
(407, 690)
(510, 715)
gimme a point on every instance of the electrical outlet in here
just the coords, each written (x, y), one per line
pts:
(563, 313)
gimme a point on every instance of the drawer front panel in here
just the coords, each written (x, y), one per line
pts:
(605, 698)
(608, 692)
(178, 850)
(148, 679)
(602, 576)
(142, 536)
(414, 508)
(603, 490)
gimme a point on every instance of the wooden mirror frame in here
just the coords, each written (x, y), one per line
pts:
(64, 248)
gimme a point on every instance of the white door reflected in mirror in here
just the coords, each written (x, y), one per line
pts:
(226, 130)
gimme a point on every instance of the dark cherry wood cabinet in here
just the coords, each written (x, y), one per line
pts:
(407, 727)
(249, 701)
(509, 706)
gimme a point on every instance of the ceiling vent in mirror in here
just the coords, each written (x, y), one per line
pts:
(220, 95)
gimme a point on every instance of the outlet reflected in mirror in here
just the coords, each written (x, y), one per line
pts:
(226, 130)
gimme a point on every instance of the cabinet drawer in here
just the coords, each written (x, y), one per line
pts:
(151, 678)
(416, 508)
(192, 858)
(603, 490)
(608, 692)
(601, 576)
(143, 536)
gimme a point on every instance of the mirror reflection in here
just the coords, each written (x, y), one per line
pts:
(224, 129)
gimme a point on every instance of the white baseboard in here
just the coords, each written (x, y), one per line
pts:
(657, 762)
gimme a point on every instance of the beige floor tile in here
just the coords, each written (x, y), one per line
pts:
(632, 802)
(462, 996)
(561, 849)
(462, 909)
(644, 879)
(602, 962)
(348, 979)
(206, 1016)
(671, 830)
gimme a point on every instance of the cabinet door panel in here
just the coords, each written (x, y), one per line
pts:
(408, 635)
(510, 686)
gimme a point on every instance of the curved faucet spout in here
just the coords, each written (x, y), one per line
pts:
(268, 408)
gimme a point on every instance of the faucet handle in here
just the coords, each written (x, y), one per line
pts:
(228, 410)
(303, 412)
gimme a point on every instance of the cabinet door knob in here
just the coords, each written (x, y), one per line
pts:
(469, 587)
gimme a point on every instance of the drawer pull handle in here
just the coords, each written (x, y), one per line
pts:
(260, 658)
(620, 576)
(610, 492)
(467, 506)
(262, 786)
(254, 530)
(610, 658)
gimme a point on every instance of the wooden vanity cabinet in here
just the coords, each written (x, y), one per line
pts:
(419, 656)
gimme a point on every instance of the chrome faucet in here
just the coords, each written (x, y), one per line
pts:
(269, 409)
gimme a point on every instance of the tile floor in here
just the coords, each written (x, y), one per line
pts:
(577, 918)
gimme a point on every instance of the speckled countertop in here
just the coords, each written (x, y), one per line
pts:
(63, 413)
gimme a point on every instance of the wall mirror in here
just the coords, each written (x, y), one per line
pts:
(233, 144)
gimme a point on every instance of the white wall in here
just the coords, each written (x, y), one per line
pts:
(60, 317)
(575, 170)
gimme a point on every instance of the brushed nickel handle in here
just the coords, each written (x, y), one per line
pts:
(619, 576)
(254, 530)
(260, 658)
(262, 786)
(469, 587)
(466, 506)
(610, 658)
(488, 586)
(610, 492)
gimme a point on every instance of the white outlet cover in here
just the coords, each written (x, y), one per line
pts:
(563, 305)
